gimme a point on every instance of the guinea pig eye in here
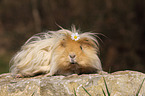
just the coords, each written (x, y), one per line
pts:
(63, 44)
(81, 47)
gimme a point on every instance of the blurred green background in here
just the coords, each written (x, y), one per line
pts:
(122, 21)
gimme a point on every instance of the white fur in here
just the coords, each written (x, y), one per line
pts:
(36, 55)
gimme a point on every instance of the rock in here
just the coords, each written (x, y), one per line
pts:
(121, 83)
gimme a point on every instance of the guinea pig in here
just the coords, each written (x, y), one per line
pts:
(61, 52)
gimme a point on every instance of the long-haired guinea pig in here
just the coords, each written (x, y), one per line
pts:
(61, 52)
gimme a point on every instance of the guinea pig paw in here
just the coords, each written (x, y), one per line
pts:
(19, 76)
(103, 73)
(73, 75)
(48, 75)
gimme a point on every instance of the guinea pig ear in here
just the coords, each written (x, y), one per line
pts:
(88, 42)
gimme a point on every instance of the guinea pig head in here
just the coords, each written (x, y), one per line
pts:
(76, 56)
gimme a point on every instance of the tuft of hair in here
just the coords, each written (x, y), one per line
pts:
(51, 52)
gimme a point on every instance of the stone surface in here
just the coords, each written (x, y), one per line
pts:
(121, 83)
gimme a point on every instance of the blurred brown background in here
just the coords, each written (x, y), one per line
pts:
(122, 21)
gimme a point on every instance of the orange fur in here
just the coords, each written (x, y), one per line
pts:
(57, 54)
(83, 59)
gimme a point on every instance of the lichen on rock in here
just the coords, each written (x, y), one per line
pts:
(121, 83)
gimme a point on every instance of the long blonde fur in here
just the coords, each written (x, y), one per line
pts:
(42, 53)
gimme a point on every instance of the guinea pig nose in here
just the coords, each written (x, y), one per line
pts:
(72, 56)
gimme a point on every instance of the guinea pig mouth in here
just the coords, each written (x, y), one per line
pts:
(73, 62)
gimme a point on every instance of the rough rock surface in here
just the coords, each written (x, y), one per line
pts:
(121, 83)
